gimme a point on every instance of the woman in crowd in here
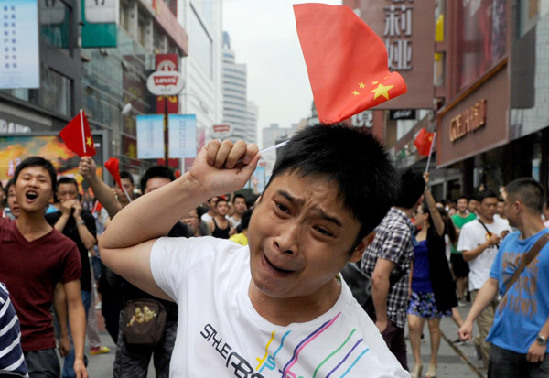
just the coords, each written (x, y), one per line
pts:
(433, 289)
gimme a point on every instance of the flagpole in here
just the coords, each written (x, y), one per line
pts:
(82, 130)
(127, 195)
(430, 152)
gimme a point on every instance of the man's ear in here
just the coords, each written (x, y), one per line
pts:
(356, 255)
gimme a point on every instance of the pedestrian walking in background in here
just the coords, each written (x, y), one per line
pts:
(520, 275)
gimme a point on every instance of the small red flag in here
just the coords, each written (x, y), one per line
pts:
(77, 136)
(346, 62)
(423, 142)
(112, 166)
(97, 207)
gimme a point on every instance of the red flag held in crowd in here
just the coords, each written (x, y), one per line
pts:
(77, 136)
(112, 166)
(346, 62)
(423, 142)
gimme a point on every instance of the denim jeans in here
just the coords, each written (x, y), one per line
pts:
(68, 371)
(507, 364)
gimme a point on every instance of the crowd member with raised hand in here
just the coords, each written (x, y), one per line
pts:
(54, 259)
(520, 275)
(79, 226)
(283, 289)
(433, 290)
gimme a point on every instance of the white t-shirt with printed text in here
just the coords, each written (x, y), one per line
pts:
(471, 236)
(221, 335)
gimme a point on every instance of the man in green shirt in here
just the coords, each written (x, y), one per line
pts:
(459, 266)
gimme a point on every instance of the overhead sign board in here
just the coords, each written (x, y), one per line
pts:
(166, 80)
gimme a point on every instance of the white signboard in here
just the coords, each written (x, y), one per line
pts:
(150, 136)
(165, 83)
(52, 12)
(182, 135)
(19, 44)
(221, 131)
(101, 11)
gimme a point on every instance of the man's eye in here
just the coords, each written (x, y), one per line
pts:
(281, 207)
(323, 231)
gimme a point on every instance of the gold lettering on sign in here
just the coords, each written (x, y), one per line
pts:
(469, 121)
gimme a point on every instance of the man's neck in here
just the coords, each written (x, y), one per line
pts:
(284, 311)
(530, 225)
(463, 214)
(485, 219)
(237, 216)
(32, 225)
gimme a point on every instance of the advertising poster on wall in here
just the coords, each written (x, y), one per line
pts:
(19, 44)
(182, 135)
(150, 136)
(16, 148)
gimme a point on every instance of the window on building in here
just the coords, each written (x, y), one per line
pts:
(200, 42)
(55, 23)
(141, 29)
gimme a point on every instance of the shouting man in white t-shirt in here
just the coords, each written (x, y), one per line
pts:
(479, 242)
(277, 306)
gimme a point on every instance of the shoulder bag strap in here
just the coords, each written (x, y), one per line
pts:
(526, 259)
(487, 230)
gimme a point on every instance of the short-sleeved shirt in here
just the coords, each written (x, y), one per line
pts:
(220, 333)
(31, 270)
(394, 241)
(471, 236)
(525, 308)
(71, 231)
(459, 221)
(12, 361)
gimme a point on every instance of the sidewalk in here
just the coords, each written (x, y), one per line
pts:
(453, 360)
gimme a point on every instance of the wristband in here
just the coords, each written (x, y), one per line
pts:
(80, 223)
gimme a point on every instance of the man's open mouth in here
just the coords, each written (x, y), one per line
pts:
(32, 196)
(277, 269)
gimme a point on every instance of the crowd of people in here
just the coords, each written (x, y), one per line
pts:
(250, 286)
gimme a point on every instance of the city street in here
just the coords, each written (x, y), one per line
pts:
(453, 361)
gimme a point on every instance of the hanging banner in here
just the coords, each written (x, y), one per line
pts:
(150, 136)
(182, 135)
(19, 67)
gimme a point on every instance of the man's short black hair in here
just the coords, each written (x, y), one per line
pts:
(529, 192)
(238, 195)
(350, 157)
(127, 175)
(38, 161)
(472, 198)
(486, 194)
(67, 180)
(463, 197)
(412, 186)
(246, 216)
(156, 172)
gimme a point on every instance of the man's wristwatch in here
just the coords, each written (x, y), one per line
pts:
(541, 340)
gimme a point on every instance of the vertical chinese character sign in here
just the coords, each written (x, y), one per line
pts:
(19, 57)
(182, 135)
(150, 136)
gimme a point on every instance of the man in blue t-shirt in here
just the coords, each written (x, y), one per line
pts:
(521, 323)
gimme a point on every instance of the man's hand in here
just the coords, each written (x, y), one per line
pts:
(381, 325)
(494, 239)
(87, 167)
(465, 332)
(536, 353)
(65, 207)
(77, 213)
(64, 345)
(224, 167)
(80, 368)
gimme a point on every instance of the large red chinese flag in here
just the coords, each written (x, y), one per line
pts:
(77, 136)
(113, 166)
(346, 62)
(423, 142)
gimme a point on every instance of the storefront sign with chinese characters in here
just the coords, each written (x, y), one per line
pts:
(468, 121)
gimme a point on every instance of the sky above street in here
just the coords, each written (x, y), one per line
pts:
(263, 36)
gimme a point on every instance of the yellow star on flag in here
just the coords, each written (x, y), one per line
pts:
(89, 141)
(375, 82)
(361, 85)
(382, 90)
(356, 93)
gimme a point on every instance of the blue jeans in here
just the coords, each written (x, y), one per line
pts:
(507, 364)
(68, 371)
